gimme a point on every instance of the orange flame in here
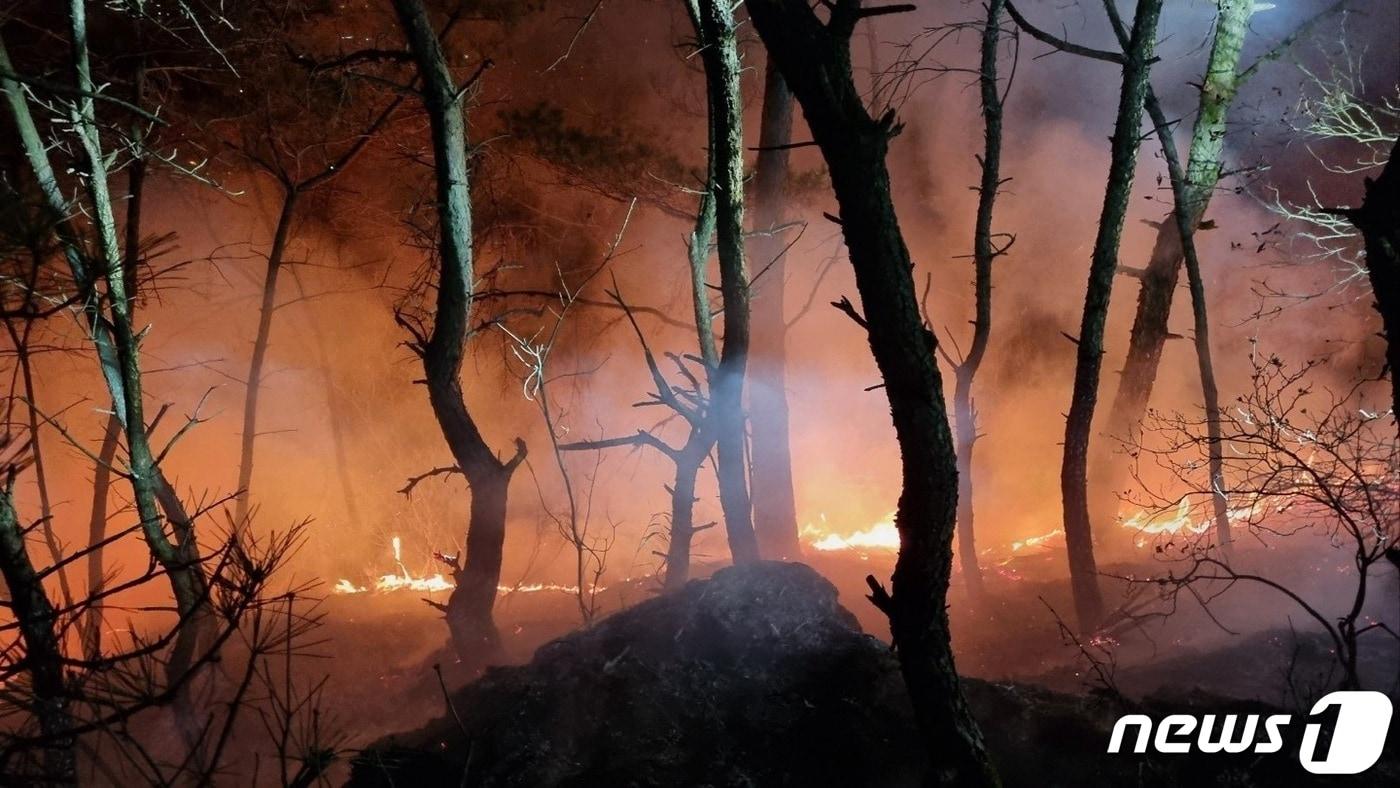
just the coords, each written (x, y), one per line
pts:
(880, 536)
(406, 581)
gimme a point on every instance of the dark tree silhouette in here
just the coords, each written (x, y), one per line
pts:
(1378, 219)
(987, 246)
(713, 21)
(815, 60)
(469, 607)
(1079, 538)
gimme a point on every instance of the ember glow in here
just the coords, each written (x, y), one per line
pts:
(1036, 541)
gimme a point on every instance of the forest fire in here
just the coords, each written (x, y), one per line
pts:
(1179, 521)
(403, 580)
(1037, 541)
(444, 392)
(1182, 522)
(882, 536)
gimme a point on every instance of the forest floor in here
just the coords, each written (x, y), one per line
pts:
(384, 646)
(761, 676)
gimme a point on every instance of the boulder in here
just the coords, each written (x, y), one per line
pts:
(756, 676)
(759, 677)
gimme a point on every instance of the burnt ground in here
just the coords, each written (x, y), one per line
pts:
(759, 676)
(1038, 697)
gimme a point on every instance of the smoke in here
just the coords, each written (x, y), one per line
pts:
(344, 425)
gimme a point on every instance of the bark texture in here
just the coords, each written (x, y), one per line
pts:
(1079, 539)
(815, 61)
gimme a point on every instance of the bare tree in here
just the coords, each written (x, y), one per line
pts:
(535, 352)
(469, 607)
(1079, 539)
(691, 400)
(1159, 279)
(815, 60)
(1365, 131)
(108, 312)
(987, 246)
(269, 151)
(1304, 462)
(692, 404)
(714, 25)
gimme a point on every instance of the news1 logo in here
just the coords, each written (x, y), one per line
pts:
(1363, 718)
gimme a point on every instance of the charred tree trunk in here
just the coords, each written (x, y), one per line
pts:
(469, 607)
(984, 252)
(43, 655)
(1163, 271)
(1079, 537)
(815, 60)
(774, 508)
(719, 51)
(1378, 219)
(701, 440)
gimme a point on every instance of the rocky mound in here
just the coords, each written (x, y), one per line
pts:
(755, 677)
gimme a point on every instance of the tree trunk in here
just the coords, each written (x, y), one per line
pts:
(1084, 581)
(984, 253)
(97, 532)
(107, 453)
(815, 60)
(688, 461)
(335, 413)
(113, 336)
(714, 27)
(774, 508)
(1378, 219)
(253, 386)
(41, 478)
(43, 655)
(1186, 236)
(1163, 271)
(469, 608)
